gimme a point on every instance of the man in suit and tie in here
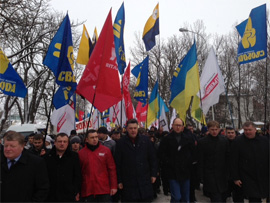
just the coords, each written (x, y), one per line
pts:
(24, 176)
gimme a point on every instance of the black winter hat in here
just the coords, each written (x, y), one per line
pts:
(75, 139)
(103, 130)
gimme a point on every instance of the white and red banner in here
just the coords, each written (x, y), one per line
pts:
(212, 82)
(81, 127)
(64, 119)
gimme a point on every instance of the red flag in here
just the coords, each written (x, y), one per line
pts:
(81, 115)
(100, 82)
(125, 81)
(141, 112)
(129, 106)
(126, 94)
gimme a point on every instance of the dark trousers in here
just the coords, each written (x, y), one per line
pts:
(218, 197)
(165, 180)
(237, 194)
(194, 182)
(254, 199)
(117, 196)
(97, 198)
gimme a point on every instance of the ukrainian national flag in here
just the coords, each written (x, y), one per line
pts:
(153, 107)
(151, 29)
(185, 82)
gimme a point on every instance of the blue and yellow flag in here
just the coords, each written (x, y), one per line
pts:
(241, 28)
(105, 114)
(253, 45)
(185, 82)
(10, 82)
(151, 29)
(161, 105)
(118, 31)
(141, 73)
(153, 107)
(60, 60)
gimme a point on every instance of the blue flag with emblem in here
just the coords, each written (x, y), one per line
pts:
(10, 82)
(253, 45)
(118, 32)
(141, 73)
(60, 60)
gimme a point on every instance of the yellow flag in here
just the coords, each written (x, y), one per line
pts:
(84, 48)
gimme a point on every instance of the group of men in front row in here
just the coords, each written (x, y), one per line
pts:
(95, 174)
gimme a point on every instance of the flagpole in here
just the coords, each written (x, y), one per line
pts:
(121, 99)
(116, 116)
(230, 110)
(91, 111)
(84, 114)
(265, 97)
(49, 116)
(158, 78)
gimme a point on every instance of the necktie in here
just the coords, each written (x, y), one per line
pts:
(12, 162)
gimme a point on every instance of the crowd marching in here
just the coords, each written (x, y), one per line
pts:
(134, 164)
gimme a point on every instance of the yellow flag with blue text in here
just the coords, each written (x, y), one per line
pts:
(253, 31)
(151, 29)
(185, 82)
(60, 60)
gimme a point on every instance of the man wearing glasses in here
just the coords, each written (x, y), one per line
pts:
(177, 152)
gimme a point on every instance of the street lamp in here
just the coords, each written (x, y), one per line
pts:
(186, 30)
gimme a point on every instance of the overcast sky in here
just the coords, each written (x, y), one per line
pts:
(219, 16)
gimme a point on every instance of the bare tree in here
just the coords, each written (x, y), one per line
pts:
(27, 29)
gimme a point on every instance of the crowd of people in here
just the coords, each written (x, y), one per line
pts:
(135, 164)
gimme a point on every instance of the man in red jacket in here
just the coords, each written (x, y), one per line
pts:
(98, 170)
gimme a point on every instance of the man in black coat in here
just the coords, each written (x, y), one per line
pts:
(24, 176)
(250, 163)
(176, 152)
(64, 171)
(233, 190)
(136, 165)
(38, 147)
(213, 152)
